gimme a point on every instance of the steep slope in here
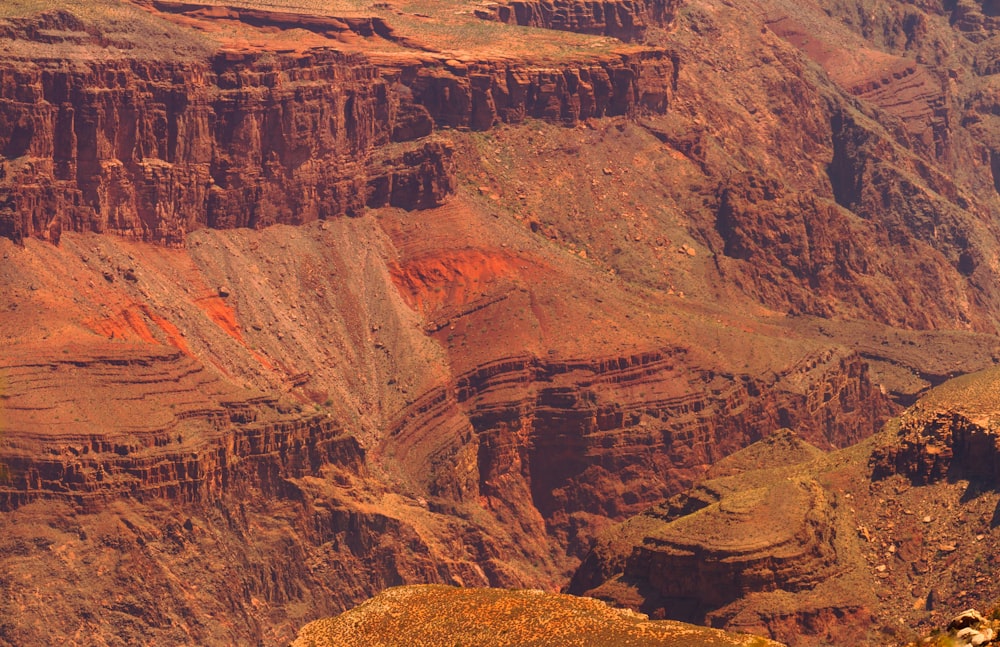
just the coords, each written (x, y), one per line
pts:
(398, 445)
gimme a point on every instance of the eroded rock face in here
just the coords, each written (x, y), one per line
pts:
(196, 453)
(278, 498)
(154, 150)
(757, 540)
(748, 550)
(626, 20)
(949, 435)
(481, 95)
(828, 548)
(548, 442)
(777, 184)
(496, 476)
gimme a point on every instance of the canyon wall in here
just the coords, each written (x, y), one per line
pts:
(816, 548)
(762, 547)
(154, 150)
(627, 20)
(215, 504)
(567, 447)
(204, 441)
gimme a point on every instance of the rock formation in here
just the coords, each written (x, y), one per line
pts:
(911, 510)
(153, 150)
(967, 629)
(626, 20)
(501, 473)
(428, 615)
(560, 436)
(746, 551)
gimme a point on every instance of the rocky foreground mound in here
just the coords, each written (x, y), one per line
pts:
(429, 616)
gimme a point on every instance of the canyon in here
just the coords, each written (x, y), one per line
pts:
(304, 302)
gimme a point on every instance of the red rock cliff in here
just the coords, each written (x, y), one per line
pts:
(153, 150)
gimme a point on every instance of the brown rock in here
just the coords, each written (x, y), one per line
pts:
(432, 615)
(626, 20)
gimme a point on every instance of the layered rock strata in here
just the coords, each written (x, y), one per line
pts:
(204, 441)
(758, 540)
(154, 150)
(813, 548)
(242, 506)
(627, 20)
(761, 549)
(572, 445)
(951, 435)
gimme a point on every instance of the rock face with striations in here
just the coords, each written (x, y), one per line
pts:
(626, 20)
(266, 454)
(153, 150)
(950, 435)
(553, 438)
(746, 549)
(824, 548)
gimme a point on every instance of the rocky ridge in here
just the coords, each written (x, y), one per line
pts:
(426, 615)
(819, 538)
(759, 550)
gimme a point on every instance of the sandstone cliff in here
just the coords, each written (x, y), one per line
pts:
(153, 150)
(623, 19)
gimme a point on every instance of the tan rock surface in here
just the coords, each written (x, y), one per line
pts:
(436, 615)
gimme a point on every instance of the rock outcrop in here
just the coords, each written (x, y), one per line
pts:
(745, 550)
(153, 151)
(626, 20)
(430, 615)
(196, 453)
(949, 435)
(827, 548)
